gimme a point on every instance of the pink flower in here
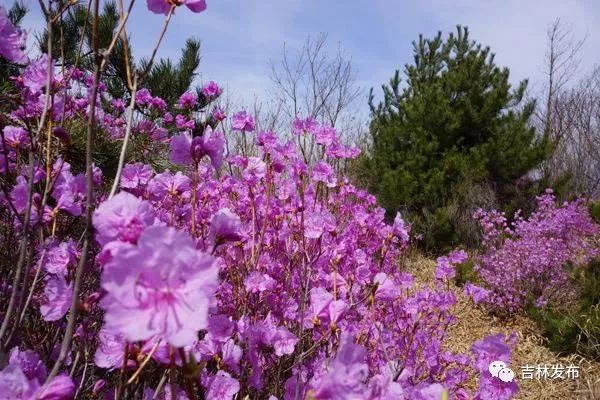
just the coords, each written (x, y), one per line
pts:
(242, 121)
(135, 175)
(60, 388)
(58, 296)
(302, 126)
(110, 350)
(184, 150)
(323, 172)
(400, 229)
(162, 287)
(187, 100)
(218, 114)
(30, 363)
(317, 223)
(15, 137)
(163, 6)
(257, 282)
(211, 90)
(143, 97)
(225, 226)
(222, 387)
(59, 257)
(11, 40)
(123, 218)
(255, 170)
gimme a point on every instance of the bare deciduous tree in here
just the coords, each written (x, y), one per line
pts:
(313, 83)
(571, 113)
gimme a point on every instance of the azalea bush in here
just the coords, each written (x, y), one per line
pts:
(531, 261)
(210, 274)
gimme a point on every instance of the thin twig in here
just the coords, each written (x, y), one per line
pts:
(89, 204)
(115, 185)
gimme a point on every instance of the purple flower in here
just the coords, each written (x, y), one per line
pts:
(163, 6)
(123, 218)
(225, 226)
(30, 363)
(458, 257)
(257, 282)
(444, 270)
(478, 294)
(143, 97)
(346, 375)
(400, 230)
(12, 41)
(15, 137)
(57, 298)
(162, 287)
(183, 149)
(387, 289)
(187, 100)
(323, 172)
(211, 90)
(317, 223)
(218, 114)
(136, 175)
(222, 387)
(242, 121)
(60, 257)
(490, 349)
(62, 134)
(302, 126)
(61, 387)
(14, 384)
(110, 350)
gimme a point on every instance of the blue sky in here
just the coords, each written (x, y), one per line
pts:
(240, 37)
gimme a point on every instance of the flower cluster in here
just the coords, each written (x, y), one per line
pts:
(525, 263)
(262, 275)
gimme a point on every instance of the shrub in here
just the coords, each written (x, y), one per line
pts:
(524, 264)
(575, 328)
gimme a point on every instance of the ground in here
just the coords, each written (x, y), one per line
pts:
(474, 324)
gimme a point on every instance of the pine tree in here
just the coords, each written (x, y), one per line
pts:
(165, 79)
(455, 135)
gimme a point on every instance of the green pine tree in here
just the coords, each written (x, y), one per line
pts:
(166, 78)
(455, 136)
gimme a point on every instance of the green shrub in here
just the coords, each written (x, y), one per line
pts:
(465, 272)
(595, 211)
(576, 328)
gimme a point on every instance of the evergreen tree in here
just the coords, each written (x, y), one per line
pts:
(455, 136)
(165, 79)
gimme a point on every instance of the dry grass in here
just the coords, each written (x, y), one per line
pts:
(474, 324)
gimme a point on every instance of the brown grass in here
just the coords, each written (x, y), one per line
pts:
(474, 324)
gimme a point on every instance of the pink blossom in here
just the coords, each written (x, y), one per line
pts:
(242, 121)
(123, 217)
(15, 137)
(163, 6)
(211, 90)
(162, 287)
(57, 298)
(11, 40)
(225, 226)
(187, 100)
(218, 114)
(222, 387)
